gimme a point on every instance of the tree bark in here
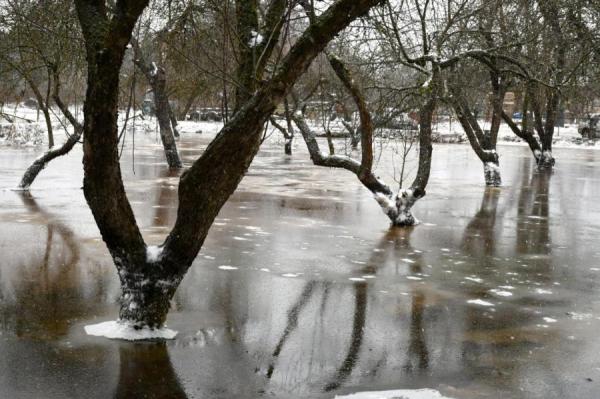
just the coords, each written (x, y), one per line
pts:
(40, 163)
(483, 145)
(157, 79)
(205, 186)
(397, 209)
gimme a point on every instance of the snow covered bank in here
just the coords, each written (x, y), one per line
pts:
(396, 394)
(126, 331)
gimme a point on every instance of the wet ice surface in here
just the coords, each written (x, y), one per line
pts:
(301, 291)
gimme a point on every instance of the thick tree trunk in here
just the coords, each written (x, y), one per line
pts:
(206, 185)
(145, 297)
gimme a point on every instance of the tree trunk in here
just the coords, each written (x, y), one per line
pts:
(40, 163)
(48, 120)
(149, 275)
(145, 299)
(157, 79)
(173, 120)
(524, 134)
(484, 145)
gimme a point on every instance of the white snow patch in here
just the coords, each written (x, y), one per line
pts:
(479, 302)
(126, 331)
(264, 269)
(413, 278)
(407, 260)
(290, 275)
(153, 252)
(475, 279)
(549, 320)
(542, 291)
(396, 394)
(240, 238)
(501, 293)
(227, 267)
(356, 279)
(255, 39)
(154, 70)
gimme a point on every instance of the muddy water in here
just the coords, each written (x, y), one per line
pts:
(301, 290)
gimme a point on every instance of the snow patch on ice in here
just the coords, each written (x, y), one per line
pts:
(126, 331)
(501, 292)
(227, 267)
(479, 302)
(396, 394)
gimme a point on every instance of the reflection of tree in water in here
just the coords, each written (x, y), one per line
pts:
(418, 355)
(533, 232)
(392, 245)
(167, 196)
(495, 341)
(146, 372)
(49, 290)
(358, 330)
(292, 323)
(479, 238)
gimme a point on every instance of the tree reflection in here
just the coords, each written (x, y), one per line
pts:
(146, 372)
(48, 292)
(292, 323)
(479, 236)
(533, 232)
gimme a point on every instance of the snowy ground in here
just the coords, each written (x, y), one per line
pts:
(28, 129)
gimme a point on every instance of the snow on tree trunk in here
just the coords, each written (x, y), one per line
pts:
(491, 171)
(399, 210)
(146, 295)
(546, 160)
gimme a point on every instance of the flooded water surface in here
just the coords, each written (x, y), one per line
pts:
(302, 290)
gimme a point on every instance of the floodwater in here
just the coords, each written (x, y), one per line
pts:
(302, 290)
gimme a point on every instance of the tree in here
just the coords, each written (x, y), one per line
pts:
(156, 76)
(150, 276)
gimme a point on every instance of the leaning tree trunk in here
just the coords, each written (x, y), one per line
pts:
(150, 276)
(484, 145)
(40, 163)
(398, 208)
(157, 79)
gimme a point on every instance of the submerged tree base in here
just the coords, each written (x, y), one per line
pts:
(400, 210)
(491, 172)
(128, 331)
(546, 160)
